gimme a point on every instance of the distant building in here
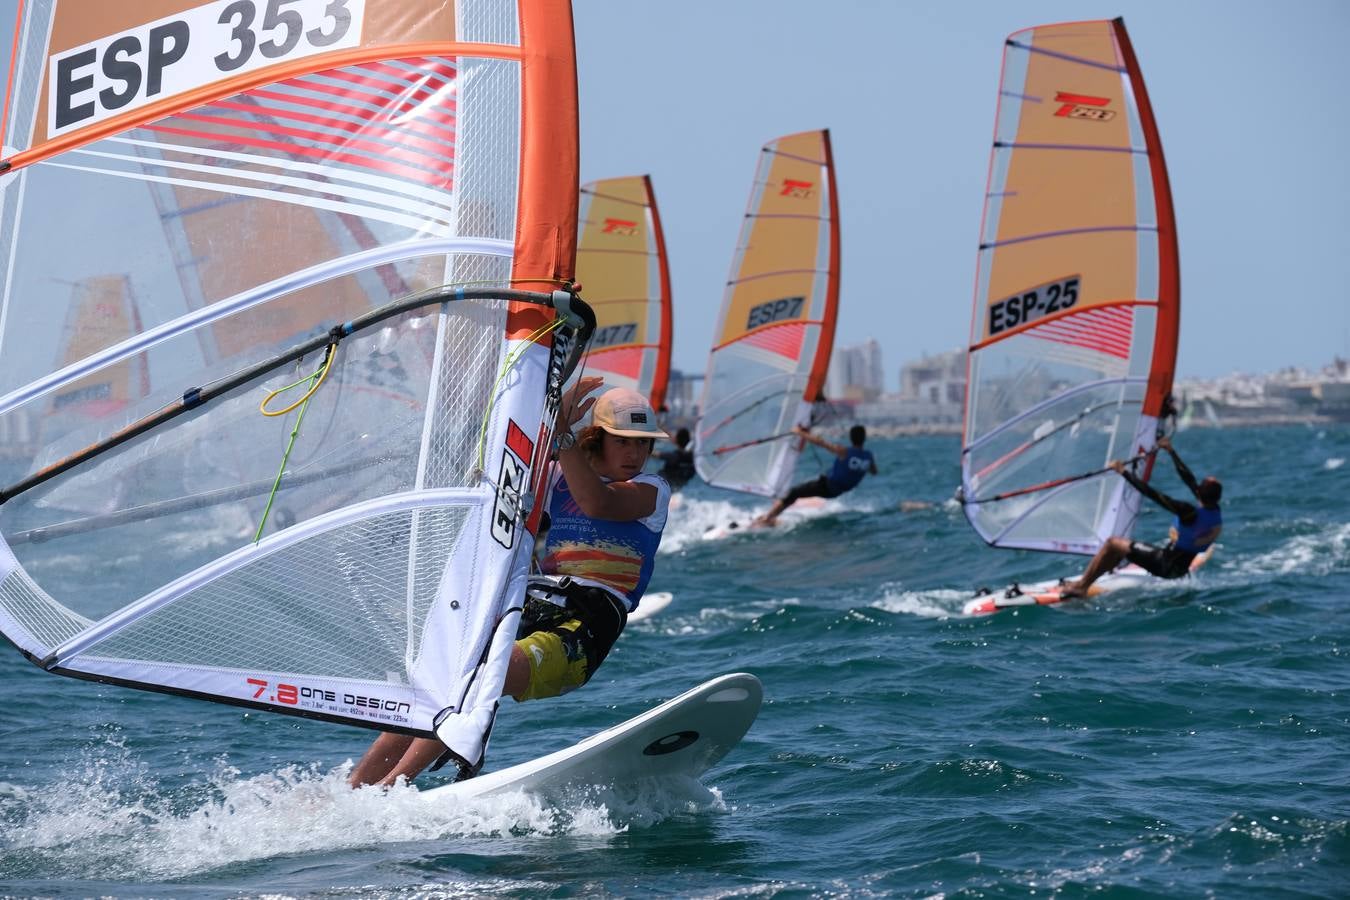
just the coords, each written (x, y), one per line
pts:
(682, 395)
(932, 395)
(856, 373)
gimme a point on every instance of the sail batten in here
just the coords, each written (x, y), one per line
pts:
(1073, 336)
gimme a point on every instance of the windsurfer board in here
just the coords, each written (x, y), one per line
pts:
(734, 527)
(681, 738)
(651, 604)
(1047, 593)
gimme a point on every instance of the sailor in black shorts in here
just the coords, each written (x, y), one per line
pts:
(1193, 530)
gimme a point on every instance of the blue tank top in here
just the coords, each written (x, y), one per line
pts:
(1188, 535)
(849, 470)
(617, 556)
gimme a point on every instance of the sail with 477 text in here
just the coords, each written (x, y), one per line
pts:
(350, 231)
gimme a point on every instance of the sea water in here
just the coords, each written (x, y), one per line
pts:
(1184, 739)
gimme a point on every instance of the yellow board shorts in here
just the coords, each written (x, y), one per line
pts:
(566, 645)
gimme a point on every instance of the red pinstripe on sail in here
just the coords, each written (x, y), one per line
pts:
(379, 116)
(1106, 329)
(785, 339)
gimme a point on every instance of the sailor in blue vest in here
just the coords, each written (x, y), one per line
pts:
(1193, 530)
(607, 517)
(852, 463)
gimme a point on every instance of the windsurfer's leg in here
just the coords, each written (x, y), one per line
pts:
(382, 757)
(1107, 558)
(517, 674)
(421, 752)
(771, 517)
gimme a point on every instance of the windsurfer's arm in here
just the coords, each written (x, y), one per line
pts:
(837, 450)
(1183, 471)
(1179, 508)
(617, 501)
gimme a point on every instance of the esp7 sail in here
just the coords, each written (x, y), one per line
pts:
(771, 348)
(621, 265)
(349, 231)
(1077, 296)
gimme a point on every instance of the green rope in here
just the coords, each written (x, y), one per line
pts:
(290, 445)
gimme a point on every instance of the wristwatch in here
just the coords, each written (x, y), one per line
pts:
(566, 440)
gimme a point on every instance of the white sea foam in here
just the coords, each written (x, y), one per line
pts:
(1333, 463)
(1319, 553)
(934, 604)
(109, 825)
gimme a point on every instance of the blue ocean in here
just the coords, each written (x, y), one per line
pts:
(1186, 739)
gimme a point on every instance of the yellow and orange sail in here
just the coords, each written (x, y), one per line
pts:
(1077, 298)
(772, 343)
(622, 268)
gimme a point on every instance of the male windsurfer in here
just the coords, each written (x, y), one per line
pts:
(679, 463)
(852, 464)
(1190, 535)
(606, 522)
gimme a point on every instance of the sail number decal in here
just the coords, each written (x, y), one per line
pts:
(774, 311)
(512, 484)
(1027, 306)
(611, 335)
(169, 56)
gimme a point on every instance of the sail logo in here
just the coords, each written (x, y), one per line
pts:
(512, 478)
(620, 227)
(1081, 106)
(774, 311)
(794, 188)
(195, 48)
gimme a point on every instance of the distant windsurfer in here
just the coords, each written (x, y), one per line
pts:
(606, 522)
(678, 466)
(851, 464)
(1191, 534)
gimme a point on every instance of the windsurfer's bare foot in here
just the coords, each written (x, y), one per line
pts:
(1072, 590)
(765, 522)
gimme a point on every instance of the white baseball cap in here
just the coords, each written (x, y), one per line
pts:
(626, 413)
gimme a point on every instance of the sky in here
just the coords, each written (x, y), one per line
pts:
(1250, 99)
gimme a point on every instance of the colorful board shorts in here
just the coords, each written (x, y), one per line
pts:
(1164, 562)
(565, 645)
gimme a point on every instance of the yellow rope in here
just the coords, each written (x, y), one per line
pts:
(314, 383)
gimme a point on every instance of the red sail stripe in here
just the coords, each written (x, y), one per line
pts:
(436, 164)
(381, 165)
(1108, 330)
(402, 134)
(785, 340)
(423, 124)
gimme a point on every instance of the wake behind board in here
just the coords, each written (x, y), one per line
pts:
(651, 604)
(681, 738)
(1047, 593)
(735, 527)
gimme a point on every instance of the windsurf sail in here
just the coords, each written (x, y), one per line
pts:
(621, 266)
(349, 229)
(772, 343)
(1077, 295)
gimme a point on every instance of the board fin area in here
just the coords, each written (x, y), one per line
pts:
(681, 738)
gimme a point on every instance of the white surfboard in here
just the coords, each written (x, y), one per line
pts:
(750, 524)
(682, 737)
(1047, 593)
(651, 604)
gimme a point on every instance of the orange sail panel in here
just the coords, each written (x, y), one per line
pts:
(622, 268)
(772, 343)
(1074, 331)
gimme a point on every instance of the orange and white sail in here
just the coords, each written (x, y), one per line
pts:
(358, 216)
(1077, 295)
(772, 343)
(622, 267)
